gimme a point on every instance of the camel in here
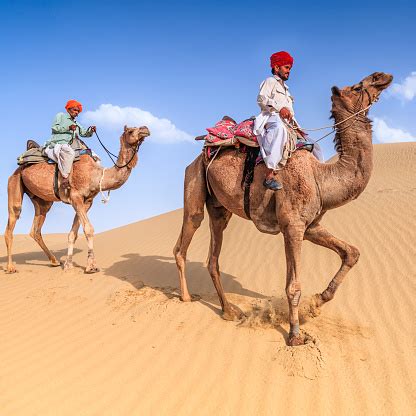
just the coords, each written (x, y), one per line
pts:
(310, 189)
(37, 181)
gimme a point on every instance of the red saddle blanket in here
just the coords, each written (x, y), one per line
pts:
(228, 133)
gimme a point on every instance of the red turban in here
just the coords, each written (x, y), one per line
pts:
(72, 104)
(280, 59)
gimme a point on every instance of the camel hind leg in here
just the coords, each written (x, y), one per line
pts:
(41, 209)
(349, 255)
(15, 197)
(218, 221)
(195, 194)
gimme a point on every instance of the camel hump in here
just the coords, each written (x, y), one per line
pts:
(31, 144)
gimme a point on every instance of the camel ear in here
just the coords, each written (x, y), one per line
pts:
(125, 128)
(335, 90)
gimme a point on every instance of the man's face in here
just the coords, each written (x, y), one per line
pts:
(283, 71)
(73, 111)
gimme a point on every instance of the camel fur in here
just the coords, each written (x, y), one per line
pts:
(37, 182)
(310, 189)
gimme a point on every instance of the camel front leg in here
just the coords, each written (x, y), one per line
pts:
(293, 236)
(81, 209)
(218, 221)
(72, 238)
(349, 255)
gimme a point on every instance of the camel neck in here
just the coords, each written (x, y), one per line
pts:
(116, 177)
(345, 179)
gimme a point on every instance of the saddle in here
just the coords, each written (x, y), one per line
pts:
(35, 152)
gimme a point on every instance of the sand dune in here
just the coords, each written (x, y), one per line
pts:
(121, 343)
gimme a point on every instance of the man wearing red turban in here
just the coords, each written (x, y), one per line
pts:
(64, 129)
(276, 106)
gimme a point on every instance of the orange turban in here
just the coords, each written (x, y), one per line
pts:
(72, 104)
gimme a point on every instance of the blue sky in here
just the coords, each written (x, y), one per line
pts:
(182, 65)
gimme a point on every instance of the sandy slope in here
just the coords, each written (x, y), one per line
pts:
(121, 343)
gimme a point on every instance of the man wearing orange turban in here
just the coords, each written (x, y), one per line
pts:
(276, 106)
(64, 129)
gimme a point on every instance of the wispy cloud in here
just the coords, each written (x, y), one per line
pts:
(113, 117)
(406, 91)
(386, 134)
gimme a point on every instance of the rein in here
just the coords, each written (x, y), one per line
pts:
(355, 115)
(111, 155)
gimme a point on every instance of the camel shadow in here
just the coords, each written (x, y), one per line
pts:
(31, 258)
(160, 273)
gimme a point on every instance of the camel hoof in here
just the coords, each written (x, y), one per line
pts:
(68, 266)
(315, 305)
(10, 270)
(92, 270)
(295, 340)
(186, 298)
(232, 313)
(55, 263)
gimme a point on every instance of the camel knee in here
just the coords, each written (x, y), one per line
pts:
(293, 293)
(351, 256)
(15, 211)
(196, 219)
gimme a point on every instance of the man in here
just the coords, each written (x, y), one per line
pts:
(276, 105)
(64, 129)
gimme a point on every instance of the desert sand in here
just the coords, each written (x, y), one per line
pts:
(120, 342)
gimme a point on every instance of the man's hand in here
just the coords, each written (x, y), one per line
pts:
(285, 114)
(93, 129)
(72, 127)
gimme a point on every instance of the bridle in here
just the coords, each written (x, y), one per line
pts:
(111, 155)
(355, 114)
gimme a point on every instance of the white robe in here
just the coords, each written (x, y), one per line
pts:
(268, 127)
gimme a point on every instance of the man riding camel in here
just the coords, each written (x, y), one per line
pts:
(64, 129)
(276, 106)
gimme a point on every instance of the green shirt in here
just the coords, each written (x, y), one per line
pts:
(60, 130)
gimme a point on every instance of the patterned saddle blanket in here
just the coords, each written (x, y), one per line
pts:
(227, 132)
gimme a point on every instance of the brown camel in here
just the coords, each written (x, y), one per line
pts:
(37, 182)
(310, 189)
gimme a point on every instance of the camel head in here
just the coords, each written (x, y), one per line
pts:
(134, 136)
(361, 95)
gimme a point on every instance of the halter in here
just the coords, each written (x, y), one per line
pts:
(356, 113)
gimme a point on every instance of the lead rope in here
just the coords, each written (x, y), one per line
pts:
(104, 198)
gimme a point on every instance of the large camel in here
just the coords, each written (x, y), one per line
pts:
(37, 181)
(310, 189)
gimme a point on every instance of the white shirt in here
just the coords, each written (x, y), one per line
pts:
(274, 95)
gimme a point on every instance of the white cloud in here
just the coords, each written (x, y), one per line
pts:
(113, 117)
(406, 91)
(385, 134)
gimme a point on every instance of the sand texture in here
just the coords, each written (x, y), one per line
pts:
(120, 342)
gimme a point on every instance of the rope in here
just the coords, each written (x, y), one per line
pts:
(111, 155)
(209, 164)
(104, 198)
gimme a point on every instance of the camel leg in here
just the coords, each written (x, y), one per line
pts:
(218, 221)
(72, 238)
(81, 209)
(293, 236)
(193, 214)
(349, 255)
(41, 209)
(15, 198)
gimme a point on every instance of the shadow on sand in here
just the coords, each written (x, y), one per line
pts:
(160, 273)
(35, 256)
